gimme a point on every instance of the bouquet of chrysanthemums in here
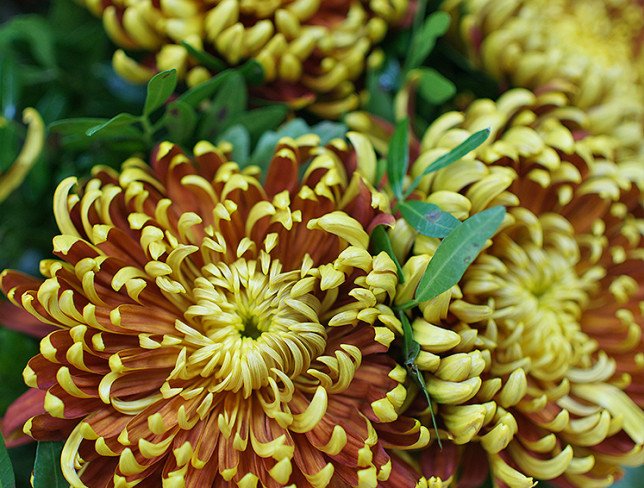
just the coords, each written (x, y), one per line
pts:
(321, 243)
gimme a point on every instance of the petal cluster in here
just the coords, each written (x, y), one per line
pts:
(535, 359)
(594, 46)
(213, 330)
(312, 51)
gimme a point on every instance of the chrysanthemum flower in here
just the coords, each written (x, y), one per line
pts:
(535, 359)
(311, 51)
(594, 45)
(213, 329)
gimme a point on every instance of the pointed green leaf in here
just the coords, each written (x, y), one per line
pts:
(456, 252)
(380, 242)
(471, 143)
(398, 158)
(160, 87)
(47, 471)
(7, 478)
(434, 87)
(425, 39)
(120, 120)
(428, 219)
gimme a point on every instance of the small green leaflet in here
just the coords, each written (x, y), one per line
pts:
(47, 471)
(455, 253)
(119, 120)
(7, 478)
(425, 39)
(160, 87)
(398, 158)
(428, 219)
(434, 87)
(471, 143)
(380, 242)
(411, 350)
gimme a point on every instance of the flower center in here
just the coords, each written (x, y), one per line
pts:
(251, 325)
(539, 299)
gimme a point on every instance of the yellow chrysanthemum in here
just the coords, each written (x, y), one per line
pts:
(312, 51)
(535, 359)
(217, 331)
(595, 45)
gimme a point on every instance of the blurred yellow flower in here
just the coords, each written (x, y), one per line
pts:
(535, 359)
(312, 51)
(594, 47)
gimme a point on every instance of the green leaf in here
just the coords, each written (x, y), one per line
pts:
(160, 87)
(205, 59)
(204, 90)
(398, 158)
(73, 132)
(471, 143)
(252, 72)
(380, 242)
(261, 120)
(229, 101)
(434, 87)
(411, 350)
(456, 252)
(425, 39)
(47, 471)
(7, 478)
(180, 119)
(238, 136)
(428, 219)
(118, 121)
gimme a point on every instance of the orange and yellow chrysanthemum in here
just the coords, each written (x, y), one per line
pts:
(535, 360)
(311, 51)
(216, 331)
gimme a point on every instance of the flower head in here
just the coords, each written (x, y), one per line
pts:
(594, 46)
(535, 359)
(215, 329)
(311, 51)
